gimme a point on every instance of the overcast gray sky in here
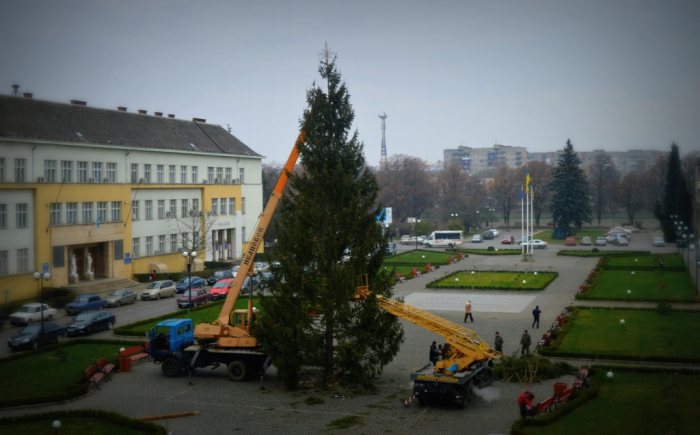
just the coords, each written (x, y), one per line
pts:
(606, 74)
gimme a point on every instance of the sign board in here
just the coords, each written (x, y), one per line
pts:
(411, 220)
(127, 258)
(385, 216)
(46, 267)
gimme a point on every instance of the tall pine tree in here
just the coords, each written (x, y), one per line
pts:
(570, 204)
(677, 200)
(309, 318)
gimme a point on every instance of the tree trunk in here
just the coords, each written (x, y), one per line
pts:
(330, 375)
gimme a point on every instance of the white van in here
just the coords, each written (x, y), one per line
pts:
(448, 239)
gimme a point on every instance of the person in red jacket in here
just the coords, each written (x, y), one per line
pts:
(525, 403)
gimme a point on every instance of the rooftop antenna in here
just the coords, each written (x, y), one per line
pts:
(15, 90)
(382, 159)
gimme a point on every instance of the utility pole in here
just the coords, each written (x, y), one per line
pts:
(382, 159)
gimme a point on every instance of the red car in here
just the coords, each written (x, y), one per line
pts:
(570, 241)
(221, 288)
(508, 240)
(199, 297)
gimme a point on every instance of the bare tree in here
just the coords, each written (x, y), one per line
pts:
(540, 177)
(688, 163)
(603, 177)
(654, 182)
(192, 230)
(406, 186)
(451, 194)
(505, 190)
(631, 194)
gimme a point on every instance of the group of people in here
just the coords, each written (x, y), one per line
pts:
(525, 339)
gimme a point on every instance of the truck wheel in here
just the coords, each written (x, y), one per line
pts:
(171, 367)
(237, 371)
(424, 400)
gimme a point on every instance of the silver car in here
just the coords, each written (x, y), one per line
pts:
(159, 289)
(119, 297)
(659, 242)
(600, 241)
(620, 241)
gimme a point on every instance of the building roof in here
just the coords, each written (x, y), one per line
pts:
(27, 118)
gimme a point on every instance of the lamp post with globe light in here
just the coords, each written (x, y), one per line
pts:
(38, 277)
(189, 256)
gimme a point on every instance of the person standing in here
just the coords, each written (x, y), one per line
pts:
(661, 263)
(536, 314)
(499, 343)
(525, 403)
(434, 354)
(468, 311)
(525, 342)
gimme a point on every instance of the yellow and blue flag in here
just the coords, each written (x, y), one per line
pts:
(527, 180)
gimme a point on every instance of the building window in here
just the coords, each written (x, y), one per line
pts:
(173, 243)
(50, 171)
(134, 172)
(4, 266)
(116, 211)
(194, 175)
(161, 244)
(183, 174)
(184, 241)
(135, 247)
(210, 174)
(173, 208)
(56, 214)
(171, 175)
(72, 213)
(2, 173)
(134, 210)
(241, 175)
(228, 175)
(97, 171)
(22, 260)
(149, 246)
(195, 205)
(184, 207)
(147, 173)
(66, 171)
(243, 234)
(161, 209)
(21, 213)
(159, 173)
(222, 206)
(3, 216)
(243, 205)
(149, 209)
(112, 172)
(82, 172)
(102, 211)
(87, 212)
(20, 165)
(215, 205)
(232, 206)
(220, 174)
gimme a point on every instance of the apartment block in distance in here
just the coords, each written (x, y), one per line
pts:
(475, 160)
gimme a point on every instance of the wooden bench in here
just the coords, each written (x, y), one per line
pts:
(582, 378)
(415, 272)
(546, 340)
(564, 395)
(134, 353)
(104, 367)
(545, 405)
(98, 371)
(400, 279)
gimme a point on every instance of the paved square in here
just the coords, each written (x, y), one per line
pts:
(483, 303)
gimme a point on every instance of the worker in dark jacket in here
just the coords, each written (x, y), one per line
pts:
(525, 342)
(499, 342)
(525, 403)
(434, 353)
(536, 315)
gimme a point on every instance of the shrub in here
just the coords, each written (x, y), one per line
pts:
(530, 368)
(491, 248)
(663, 308)
(595, 250)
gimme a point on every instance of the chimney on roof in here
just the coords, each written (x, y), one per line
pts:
(27, 95)
(121, 109)
(171, 115)
(159, 113)
(143, 112)
(78, 102)
(199, 120)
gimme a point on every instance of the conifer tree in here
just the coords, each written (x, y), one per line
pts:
(309, 319)
(677, 200)
(570, 205)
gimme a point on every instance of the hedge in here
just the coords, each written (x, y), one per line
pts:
(488, 252)
(88, 413)
(576, 253)
(126, 329)
(433, 283)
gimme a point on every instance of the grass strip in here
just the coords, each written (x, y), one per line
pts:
(79, 422)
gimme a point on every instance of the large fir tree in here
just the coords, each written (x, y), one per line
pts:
(570, 204)
(309, 319)
(677, 200)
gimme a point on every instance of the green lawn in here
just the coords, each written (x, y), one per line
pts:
(644, 284)
(45, 374)
(645, 334)
(420, 257)
(634, 403)
(497, 280)
(546, 236)
(70, 426)
(670, 260)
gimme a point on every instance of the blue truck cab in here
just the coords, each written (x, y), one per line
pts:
(170, 336)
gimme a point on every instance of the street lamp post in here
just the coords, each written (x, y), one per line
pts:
(38, 277)
(189, 256)
(415, 232)
(454, 219)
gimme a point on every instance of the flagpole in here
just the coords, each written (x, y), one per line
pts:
(522, 221)
(528, 249)
(532, 213)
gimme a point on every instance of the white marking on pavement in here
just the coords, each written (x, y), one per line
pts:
(483, 303)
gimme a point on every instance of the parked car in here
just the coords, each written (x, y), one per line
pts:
(522, 239)
(199, 296)
(476, 238)
(31, 337)
(600, 241)
(570, 241)
(682, 243)
(620, 241)
(412, 240)
(159, 289)
(508, 240)
(495, 232)
(184, 284)
(585, 241)
(260, 266)
(391, 249)
(488, 235)
(32, 313)
(404, 238)
(536, 243)
(659, 242)
(610, 238)
(119, 297)
(85, 303)
(87, 323)
(221, 289)
(218, 275)
(265, 279)
(247, 283)
(620, 230)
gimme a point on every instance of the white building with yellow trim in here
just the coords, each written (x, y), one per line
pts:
(118, 187)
